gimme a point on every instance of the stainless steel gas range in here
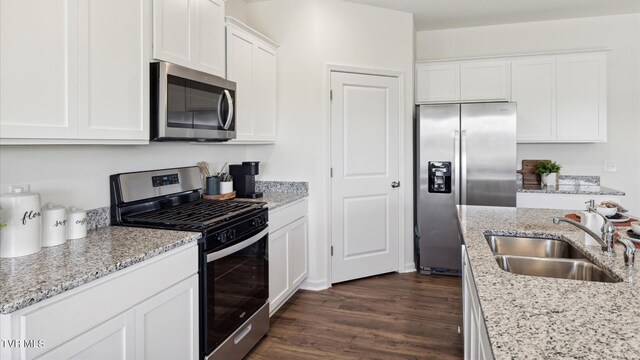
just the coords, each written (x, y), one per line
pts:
(233, 260)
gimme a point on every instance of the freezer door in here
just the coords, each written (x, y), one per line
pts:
(437, 147)
(488, 154)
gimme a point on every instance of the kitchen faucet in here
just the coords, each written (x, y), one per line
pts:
(606, 239)
(629, 251)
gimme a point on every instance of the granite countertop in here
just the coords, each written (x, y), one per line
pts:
(277, 199)
(279, 193)
(569, 184)
(29, 279)
(545, 318)
(575, 189)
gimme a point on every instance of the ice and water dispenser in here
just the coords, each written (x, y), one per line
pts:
(440, 177)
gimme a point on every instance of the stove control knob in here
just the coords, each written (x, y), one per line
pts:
(231, 234)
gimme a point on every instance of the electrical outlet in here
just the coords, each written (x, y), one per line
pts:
(610, 166)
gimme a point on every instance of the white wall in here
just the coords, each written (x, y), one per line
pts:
(621, 34)
(311, 35)
(79, 175)
(237, 9)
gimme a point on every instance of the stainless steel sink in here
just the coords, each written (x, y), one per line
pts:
(573, 269)
(554, 258)
(531, 246)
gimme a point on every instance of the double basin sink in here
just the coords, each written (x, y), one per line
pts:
(535, 256)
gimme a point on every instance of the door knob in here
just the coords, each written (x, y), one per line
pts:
(395, 184)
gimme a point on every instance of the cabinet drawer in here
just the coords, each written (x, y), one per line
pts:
(286, 215)
(98, 301)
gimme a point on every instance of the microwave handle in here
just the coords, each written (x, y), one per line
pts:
(226, 124)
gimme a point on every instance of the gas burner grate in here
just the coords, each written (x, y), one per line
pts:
(199, 213)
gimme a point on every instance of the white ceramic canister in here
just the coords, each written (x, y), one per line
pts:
(22, 217)
(76, 224)
(54, 225)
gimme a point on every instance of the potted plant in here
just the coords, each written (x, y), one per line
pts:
(548, 170)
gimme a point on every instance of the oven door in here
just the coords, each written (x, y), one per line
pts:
(236, 287)
(191, 105)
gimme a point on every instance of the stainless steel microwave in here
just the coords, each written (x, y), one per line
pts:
(189, 105)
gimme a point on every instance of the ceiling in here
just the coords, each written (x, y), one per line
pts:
(443, 14)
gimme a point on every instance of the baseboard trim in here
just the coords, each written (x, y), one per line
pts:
(408, 267)
(315, 285)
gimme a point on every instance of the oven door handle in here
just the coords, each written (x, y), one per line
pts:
(239, 246)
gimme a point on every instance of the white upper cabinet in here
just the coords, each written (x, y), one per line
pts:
(533, 88)
(113, 66)
(561, 98)
(190, 33)
(81, 75)
(582, 98)
(38, 69)
(251, 64)
(437, 82)
(466, 81)
(484, 80)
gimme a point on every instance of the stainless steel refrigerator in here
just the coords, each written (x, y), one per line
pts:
(465, 154)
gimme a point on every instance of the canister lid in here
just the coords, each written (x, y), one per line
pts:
(51, 207)
(18, 191)
(75, 210)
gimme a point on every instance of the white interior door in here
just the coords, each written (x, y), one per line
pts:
(364, 160)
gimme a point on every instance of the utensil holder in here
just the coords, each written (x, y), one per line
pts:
(213, 185)
(226, 187)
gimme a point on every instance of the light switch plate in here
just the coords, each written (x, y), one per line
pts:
(610, 166)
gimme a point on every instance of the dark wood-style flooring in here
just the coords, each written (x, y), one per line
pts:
(391, 316)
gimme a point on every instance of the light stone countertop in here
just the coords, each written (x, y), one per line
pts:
(29, 279)
(545, 318)
(277, 199)
(574, 189)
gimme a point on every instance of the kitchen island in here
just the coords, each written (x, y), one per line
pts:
(530, 317)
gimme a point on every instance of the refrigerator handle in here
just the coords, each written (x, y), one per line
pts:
(463, 167)
(456, 166)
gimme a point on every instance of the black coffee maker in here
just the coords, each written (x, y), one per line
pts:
(244, 179)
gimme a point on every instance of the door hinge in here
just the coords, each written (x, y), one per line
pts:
(331, 171)
(331, 250)
(330, 94)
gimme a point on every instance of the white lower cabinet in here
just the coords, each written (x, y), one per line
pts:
(113, 339)
(147, 311)
(166, 325)
(476, 339)
(561, 201)
(288, 252)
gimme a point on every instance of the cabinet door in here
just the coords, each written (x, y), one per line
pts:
(581, 109)
(171, 31)
(240, 50)
(114, 69)
(533, 88)
(437, 82)
(113, 339)
(38, 76)
(484, 80)
(265, 93)
(207, 36)
(167, 323)
(278, 268)
(298, 255)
